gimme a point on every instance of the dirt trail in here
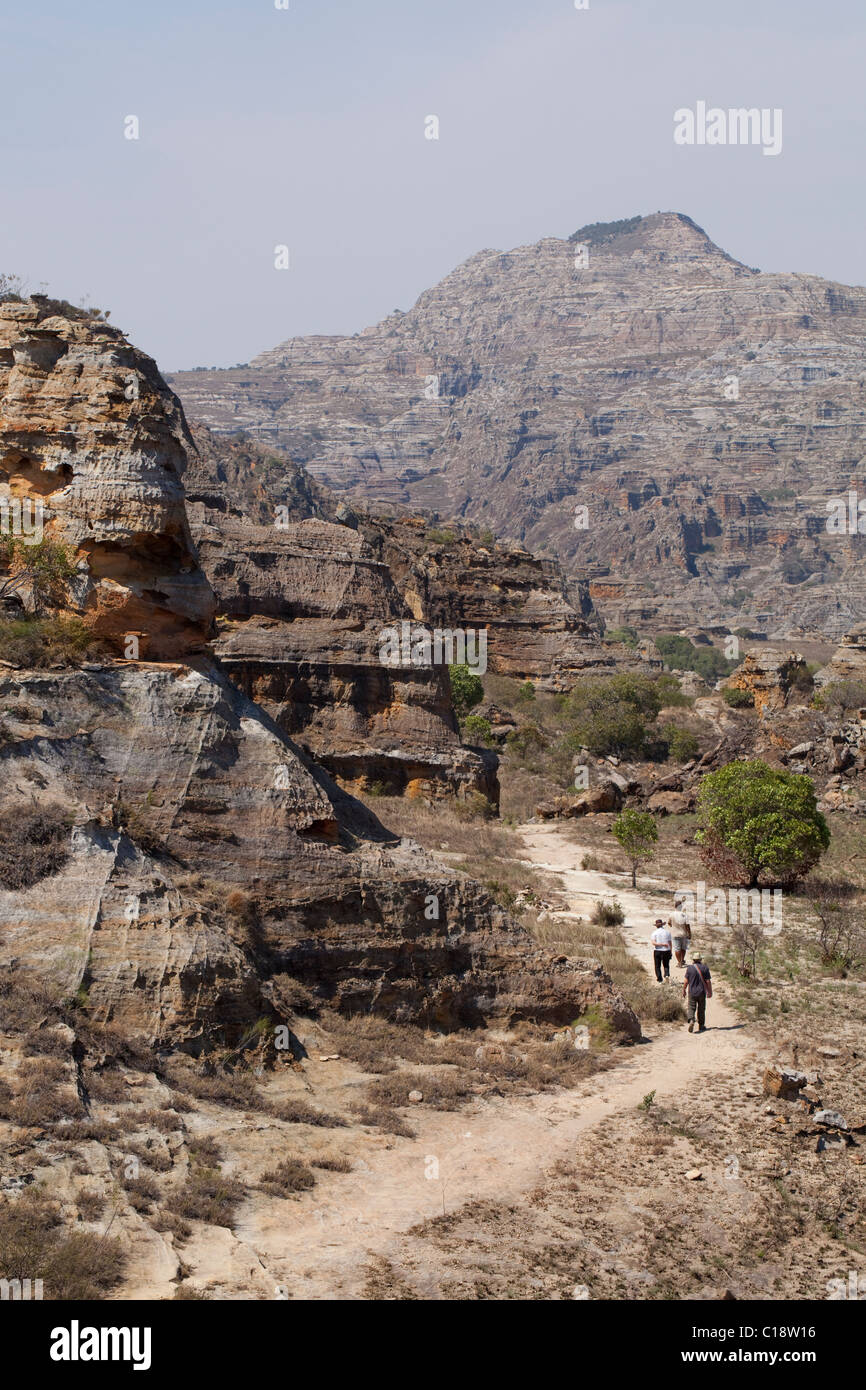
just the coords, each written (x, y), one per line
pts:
(496, 1150)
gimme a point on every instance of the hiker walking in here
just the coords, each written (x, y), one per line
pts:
(661, 943)
(699, 986)
(681, 933)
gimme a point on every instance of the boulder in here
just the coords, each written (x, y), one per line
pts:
(784, 1084)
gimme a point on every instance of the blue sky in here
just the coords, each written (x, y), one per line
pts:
(305, 127)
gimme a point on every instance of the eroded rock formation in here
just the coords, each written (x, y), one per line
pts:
(91, 435)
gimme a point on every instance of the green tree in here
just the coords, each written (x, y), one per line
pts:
(637, 832)
(467, 690)
(609, 715)
(760, 823)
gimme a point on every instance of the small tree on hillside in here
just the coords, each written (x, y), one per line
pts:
(467, 690)
(637, 832)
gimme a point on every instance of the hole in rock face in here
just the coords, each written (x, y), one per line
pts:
(26, 477)
(41, 350)
(143, 561)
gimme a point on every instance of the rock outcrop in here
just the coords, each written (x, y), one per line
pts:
(667, 421)
(769, 677)
(92, 443)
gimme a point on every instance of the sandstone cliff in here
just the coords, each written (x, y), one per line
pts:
(166, 849)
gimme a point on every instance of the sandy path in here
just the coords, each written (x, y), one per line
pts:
(497, 1149)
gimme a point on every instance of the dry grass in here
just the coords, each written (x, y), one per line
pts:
(35, 1245)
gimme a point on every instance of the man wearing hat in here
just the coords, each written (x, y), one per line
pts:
(661, 944)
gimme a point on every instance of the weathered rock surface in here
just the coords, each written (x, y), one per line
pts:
(702, 412)
(90, 433)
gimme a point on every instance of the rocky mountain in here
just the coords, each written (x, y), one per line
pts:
(166, 849)
(671, 424)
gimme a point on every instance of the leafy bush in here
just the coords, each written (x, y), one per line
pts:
(525, 694)
(474, 806)
(466, 689)
(680, 653)
(760, 823)
(608, 715)
(670, 694)
(478, 730)
(627, 635)
(738, 699)
(439, 537)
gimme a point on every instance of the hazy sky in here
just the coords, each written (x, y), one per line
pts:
(305, 127)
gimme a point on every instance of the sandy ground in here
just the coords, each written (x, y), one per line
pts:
(495, 1150)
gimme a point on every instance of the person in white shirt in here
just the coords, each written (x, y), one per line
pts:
(661, 944)
(681, 933)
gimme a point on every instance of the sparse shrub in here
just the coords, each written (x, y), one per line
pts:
(381, 1118)
(608, 913)
(840, 696)
(682, 743)
(442, 1090)
(141, 1192)
(474, 806)
(207, 1195)
(332, 1165)
(298, 1112)
(525, 694)
(205, 1150)
(34, 845)
(290, 1175)
(169, 1223)
(90, 1205)
(841, 937)
(590, 861)
(44, 1093)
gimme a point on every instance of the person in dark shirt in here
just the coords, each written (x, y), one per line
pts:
(697, 986)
